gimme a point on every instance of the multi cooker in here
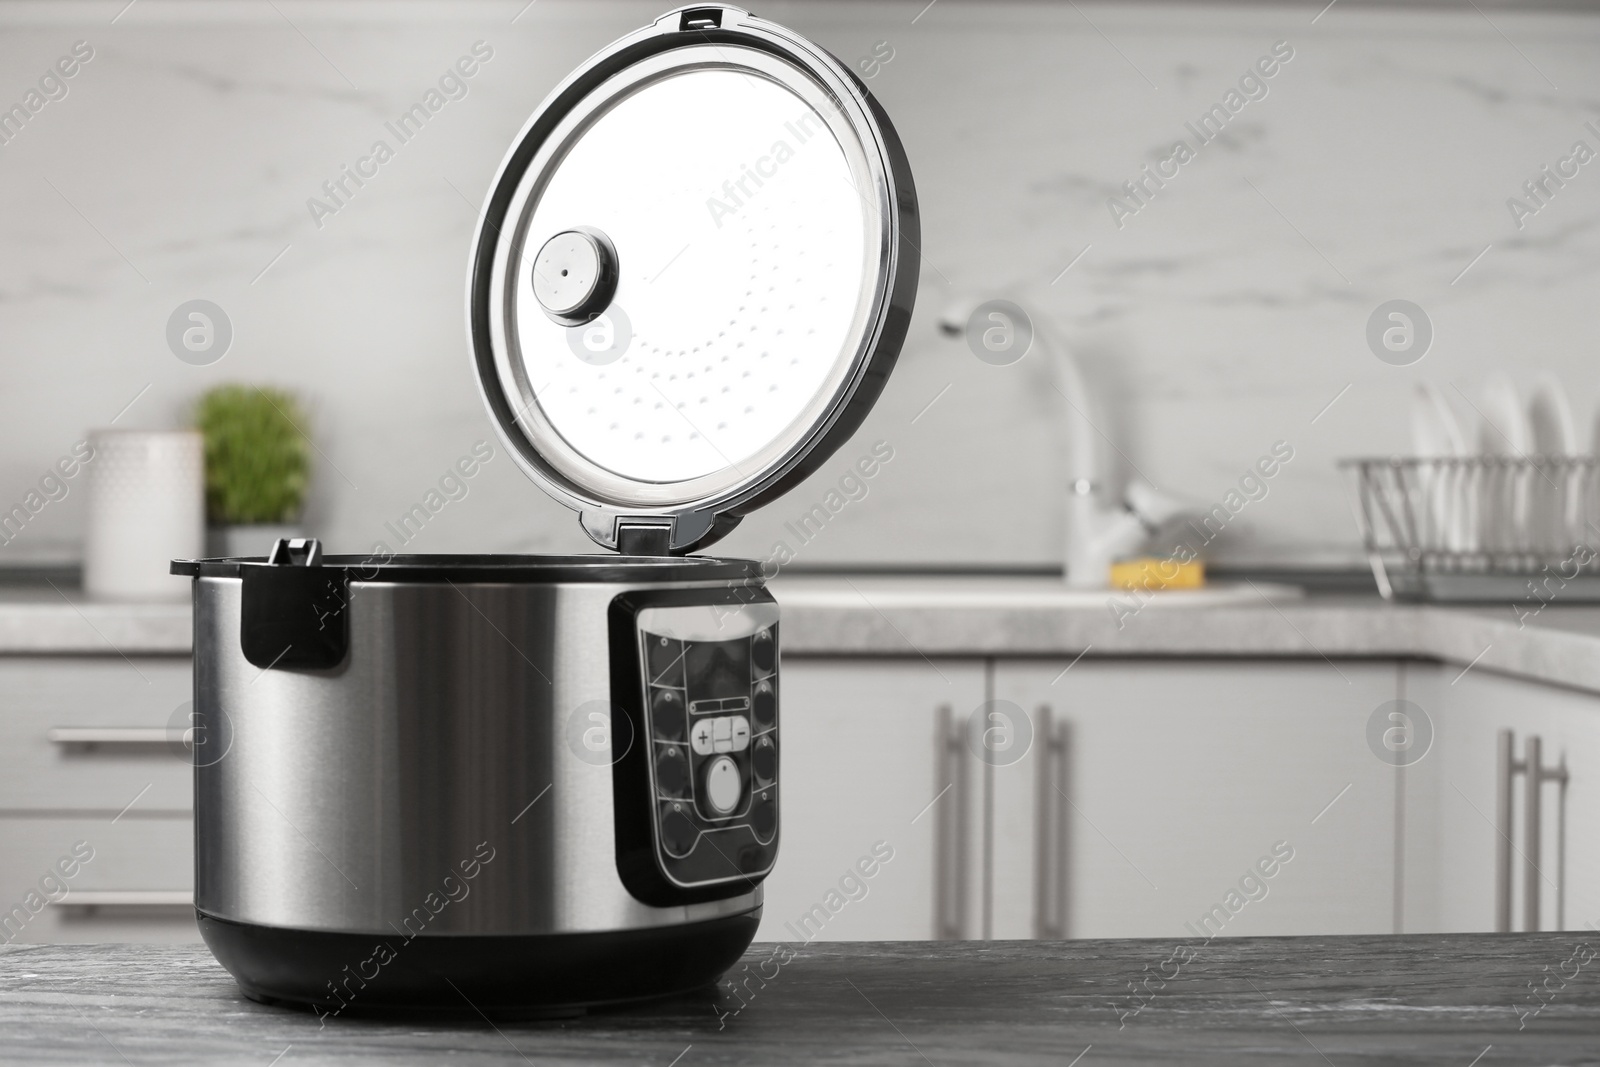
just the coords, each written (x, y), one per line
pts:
(515, 784)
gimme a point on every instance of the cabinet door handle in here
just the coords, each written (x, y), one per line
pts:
(950, 848)
(127, 898)
(1535, 775)
(1505, 768)
(119, 735)
(1531, 836)
(1050, 822)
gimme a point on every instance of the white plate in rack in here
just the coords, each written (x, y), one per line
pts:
(1436, 434)
(1503, 490)
(1435, 431)
(1550, 421)
(1504, 429)
(1554, 492)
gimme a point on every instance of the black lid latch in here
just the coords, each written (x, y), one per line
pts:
(294, 611)
(296, 552)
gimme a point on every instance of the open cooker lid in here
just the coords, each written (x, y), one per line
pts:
(692, 276)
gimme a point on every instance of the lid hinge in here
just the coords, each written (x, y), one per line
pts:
(671, 534)
(644, 538)
(700, 18)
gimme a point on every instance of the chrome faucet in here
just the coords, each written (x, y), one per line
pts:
(1097, 532)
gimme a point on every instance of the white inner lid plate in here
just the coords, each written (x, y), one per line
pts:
(744, 250)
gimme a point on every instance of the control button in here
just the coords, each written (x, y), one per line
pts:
(700, 737)
(763, 650)
(678, 834)
(707, 707)
(741, 733)
(765, 759)
(723, 785)
(722, 734)
(765, 704)
(672, 771)
(664, 657)
(764, 816)
(666, 714)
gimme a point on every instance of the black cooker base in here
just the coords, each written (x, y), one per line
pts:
(468, 976)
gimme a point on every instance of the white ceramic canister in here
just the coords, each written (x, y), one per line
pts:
(146, 508)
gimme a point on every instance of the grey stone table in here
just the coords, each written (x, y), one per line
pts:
(1430, 999)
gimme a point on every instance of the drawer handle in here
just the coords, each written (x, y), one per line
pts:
(950, 837)
(1050, 841)
(119, 735)
(127, 898)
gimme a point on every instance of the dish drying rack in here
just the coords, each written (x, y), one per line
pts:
(1481, 528)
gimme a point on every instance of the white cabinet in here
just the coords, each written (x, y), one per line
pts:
(1149, 791)
(85, 878)
(91, 752)
(879, 825)
(1455, 852)
(87, 733)
(1177, 779)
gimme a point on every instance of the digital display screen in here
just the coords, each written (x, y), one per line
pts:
(719, 669)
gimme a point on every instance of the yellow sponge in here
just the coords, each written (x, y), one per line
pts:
(1148, 572)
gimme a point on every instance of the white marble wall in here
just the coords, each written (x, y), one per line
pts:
(1221, 318)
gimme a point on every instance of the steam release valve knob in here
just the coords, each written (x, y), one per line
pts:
(575, 276)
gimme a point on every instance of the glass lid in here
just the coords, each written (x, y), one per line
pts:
(692, 277)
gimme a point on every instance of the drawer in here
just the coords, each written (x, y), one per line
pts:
(137, 886)
(101, 925)
(92, 734)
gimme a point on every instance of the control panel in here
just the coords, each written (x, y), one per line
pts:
(713, 728)
(708, 679)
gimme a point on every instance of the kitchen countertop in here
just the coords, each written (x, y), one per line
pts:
(56, 619)
(1442, 999)
(1036, 617)
(1001, 617)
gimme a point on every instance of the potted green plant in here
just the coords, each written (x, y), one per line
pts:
(258, 462)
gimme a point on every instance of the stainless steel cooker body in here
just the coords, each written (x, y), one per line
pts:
(481, 756)
(532, 782)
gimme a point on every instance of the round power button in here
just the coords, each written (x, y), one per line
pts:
(723, 785)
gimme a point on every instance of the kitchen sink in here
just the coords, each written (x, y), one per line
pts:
(945, 591)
